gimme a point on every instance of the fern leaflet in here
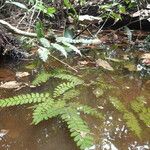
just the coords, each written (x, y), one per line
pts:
(47, 110)
(41, 78)
(117, 104)
(78, 128)
(86, 110)
(68, 77)
(63, 87)
(24, 99)
(70, 94)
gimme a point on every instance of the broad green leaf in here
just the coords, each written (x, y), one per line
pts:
(69, 33)
(60, 48)
(72, 47)
(39, 29)
(43, 53)
(45, 42)
(122, 9)
(51, 10)
(67, 3)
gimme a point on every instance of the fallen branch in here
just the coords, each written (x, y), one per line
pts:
(15, 30)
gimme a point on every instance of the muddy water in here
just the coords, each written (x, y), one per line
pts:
(17, 132)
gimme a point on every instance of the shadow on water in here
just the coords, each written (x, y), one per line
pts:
(17, 133)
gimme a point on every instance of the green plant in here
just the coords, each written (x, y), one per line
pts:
(131, 121)
(59, 104)
(138, 105)
(115, 9)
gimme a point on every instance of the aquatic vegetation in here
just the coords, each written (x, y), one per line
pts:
(138, 106)
(131, 121)
(59, 104)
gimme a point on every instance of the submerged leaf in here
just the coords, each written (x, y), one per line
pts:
(104, 64)
(11, 85)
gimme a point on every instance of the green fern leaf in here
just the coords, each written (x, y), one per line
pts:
(130, 119)
(41, 78)
(143, 112)
(117, 104)
(63, 87)
(78, 128)
(24, 99)
(90, 111)
(69, 95)
(132, 123)
(47, 110)
(138, 104)
(68, 77)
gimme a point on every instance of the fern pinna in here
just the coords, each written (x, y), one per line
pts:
(57, 105)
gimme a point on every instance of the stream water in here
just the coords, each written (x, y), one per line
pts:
(17, 132)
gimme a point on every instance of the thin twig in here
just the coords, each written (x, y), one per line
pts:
(64, 63)
(99, 30)
(82, 31)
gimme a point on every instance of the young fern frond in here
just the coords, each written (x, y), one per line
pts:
(64, 87)
(78, 128)
(41, 78)
(131, 121)
(46, 110)
(24, 99)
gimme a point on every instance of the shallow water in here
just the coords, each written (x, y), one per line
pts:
(17, 132)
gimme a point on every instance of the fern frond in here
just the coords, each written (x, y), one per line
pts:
(41, 78)
(48, 109)
(138, 104)
(68, 77)
(63, 87)
(143, 112)
(132, 123)
(78, 128)
(70, 94)
(24, 99)
(145, 116)
(117, 104)
(90, 111)
(129, 117)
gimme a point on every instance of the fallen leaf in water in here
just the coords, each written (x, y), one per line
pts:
(83, 62)
(104, 64)
(22, 74)
(146, 56)
(11, 85)
(146, 59)
(3, 132)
